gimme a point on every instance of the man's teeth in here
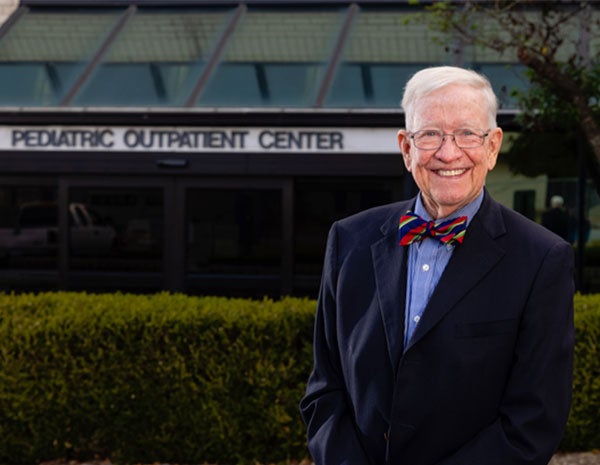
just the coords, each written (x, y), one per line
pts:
(450, 172)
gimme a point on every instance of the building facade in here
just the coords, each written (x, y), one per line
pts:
(203, 146)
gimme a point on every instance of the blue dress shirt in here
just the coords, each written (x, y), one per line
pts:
(427, 260)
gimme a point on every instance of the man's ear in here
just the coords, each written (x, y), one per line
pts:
(404, 143)
(495, 144)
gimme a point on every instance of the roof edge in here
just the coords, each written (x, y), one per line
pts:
(221, 116)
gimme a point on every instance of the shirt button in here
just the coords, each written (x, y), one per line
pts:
(426, 267)
(416, 319)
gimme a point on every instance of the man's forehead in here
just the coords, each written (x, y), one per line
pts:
(455, 107)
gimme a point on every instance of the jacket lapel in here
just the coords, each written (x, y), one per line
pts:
(468, 265)
(389, 264)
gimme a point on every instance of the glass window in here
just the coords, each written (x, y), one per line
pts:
(275, 58)
(28, 227)
(382, 51)
(116, 229)
(43, 53)
(505, 78)
(291, 84)
(501, 68)
(234, 232)
(156, 60)
(320, 202)
(237, 85)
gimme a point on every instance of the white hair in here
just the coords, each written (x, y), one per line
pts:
(556, 201)
(428, 80)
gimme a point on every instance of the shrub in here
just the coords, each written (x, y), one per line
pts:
(583, 426)
(173, 378)
(152, 378)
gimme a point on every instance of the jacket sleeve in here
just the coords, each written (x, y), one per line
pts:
(331, 430)
(537, 398)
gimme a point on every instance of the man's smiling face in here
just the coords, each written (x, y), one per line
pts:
(450, 177)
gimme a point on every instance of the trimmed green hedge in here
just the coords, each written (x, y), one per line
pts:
(164, 378)
(583, 427)
(173, 378)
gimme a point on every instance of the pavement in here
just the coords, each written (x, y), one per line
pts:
(576, 458)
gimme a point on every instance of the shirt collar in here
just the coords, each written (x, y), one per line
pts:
(469, 210)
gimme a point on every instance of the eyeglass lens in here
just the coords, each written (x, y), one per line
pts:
(464, 138)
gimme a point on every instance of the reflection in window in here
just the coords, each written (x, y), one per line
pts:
(234, 231)
(28, 227)
(114, 229)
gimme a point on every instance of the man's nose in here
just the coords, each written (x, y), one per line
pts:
(448, 151)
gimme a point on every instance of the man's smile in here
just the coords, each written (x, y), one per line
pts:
(450, 173)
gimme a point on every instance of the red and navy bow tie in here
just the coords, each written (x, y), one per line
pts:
(413, 228)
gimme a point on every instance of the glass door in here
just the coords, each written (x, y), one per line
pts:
(28, 233)
(204, 236)
(237, 237)
(116, 233)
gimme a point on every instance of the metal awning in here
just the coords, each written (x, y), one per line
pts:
(226, 54)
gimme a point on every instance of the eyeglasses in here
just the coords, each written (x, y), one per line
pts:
(432, 139)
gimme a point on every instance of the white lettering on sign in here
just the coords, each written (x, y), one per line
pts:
(116, 139)
(41, 138)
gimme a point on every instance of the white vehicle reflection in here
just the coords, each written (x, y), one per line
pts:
(36, 231)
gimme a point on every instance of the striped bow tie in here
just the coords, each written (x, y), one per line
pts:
(413, 228)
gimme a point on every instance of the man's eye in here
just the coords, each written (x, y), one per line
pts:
(466, 132)
(430, 134)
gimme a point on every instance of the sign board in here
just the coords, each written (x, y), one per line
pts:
(199, 139)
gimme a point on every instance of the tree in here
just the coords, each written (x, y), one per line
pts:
(552, 39)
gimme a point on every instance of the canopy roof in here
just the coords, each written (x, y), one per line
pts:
(226, 54)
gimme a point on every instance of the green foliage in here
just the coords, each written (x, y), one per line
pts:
(583, 427)
(163, 378)
(561, 106)
(535, 153)
(546, 108)
(172, 378)
(543, 108)
(548, 142)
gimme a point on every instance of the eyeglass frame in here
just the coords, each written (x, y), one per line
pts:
(453, 134)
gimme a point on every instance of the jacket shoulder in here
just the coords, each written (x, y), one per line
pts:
(527, 228)
(524, 241)
(373, 221)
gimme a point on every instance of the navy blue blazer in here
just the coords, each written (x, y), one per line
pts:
(486, 379)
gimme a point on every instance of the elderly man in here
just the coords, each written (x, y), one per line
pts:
(444, 328)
